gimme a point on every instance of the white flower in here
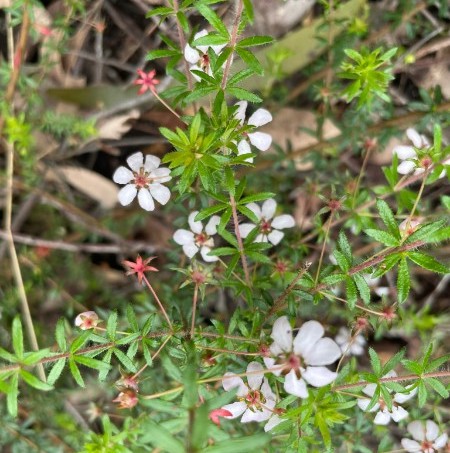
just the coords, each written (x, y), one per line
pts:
(409, 157)
(302, 358)
(144, 180)
(256, 400)
(384, 416)
(198, 56)
(273, 421)
(268, 227)
(87, 320)
(259, 140)
(349, 344)
(426, 437)
(198, 238)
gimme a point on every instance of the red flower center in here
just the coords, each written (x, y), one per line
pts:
(265, 226)
(141, 180)
(201, 239)
(254, 398)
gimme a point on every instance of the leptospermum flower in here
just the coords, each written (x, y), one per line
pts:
(409, 156)
(384, 415)
(426, 435)
(198, 57)
(260, 140)
(198, 238)
(144, 180)
(87, 320)
(350, 345)
(255, 399)
(302, 358)
(268, 226)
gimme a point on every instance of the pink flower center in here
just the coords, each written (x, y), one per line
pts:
(294, 362)
(254, 399)
(265, 226)
(426, 445)
(201, 239)
(204, 62)
(426, 162)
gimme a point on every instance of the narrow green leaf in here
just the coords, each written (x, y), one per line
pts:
(33, 381)
(363, 288)
(56, 371)
(213, 19)
(428, 262)
(90, 362)
(388, 218)
(375, 361)
(159, 436)
(255, 41)
(17, 337)
(242, 444)
(403, 281)
(383, 237)
(422, 394)
(262, 196)
(250, 60)
(111, 326)
(60, 334)
(243, 94)
(438, 387)
(125, 360)
(13, 394)
(352, 293)
(345, 247)
(341, 260)
(76, 372)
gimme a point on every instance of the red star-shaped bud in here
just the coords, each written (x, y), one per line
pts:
(140, 267)
(147, 80)
(216, 413)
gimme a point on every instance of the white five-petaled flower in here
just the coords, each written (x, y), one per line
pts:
(384, 415)
(198, 238)
(87, 320)
(144, 180)
(409, 156)
(256, 400)
(259, 140)
(426, 435)
(198, 57)
(302, 358)
(350, 345)
(268, 226)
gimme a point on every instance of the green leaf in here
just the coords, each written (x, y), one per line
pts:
(388, 218)
(393, 362)
(207, 212)
(352, 294)
(160, 437)
(438, 387)
(213, 19)
(56, 371)
(76, 372)
(131, 316)
(17, 337)
(229, 181)
(345, 247)
(159, 11)
(33, 381)
(333, 279)
(363, 288)
(161, 53)
(341, 260)
(111, 326)
(383, 237)
(403, 281)
(256, 197)
(80, 341)
(427, 262)
(60, 334)
(243, 94)
(422, 394)
(436, 363)
(427, 233)
(13, 394)
(248, 213)
(250, 60)
(375, 361)
(90, 362)
(242, 444)
(125, 360)
(255, 41)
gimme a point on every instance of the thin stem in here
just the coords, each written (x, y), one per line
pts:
(419, 196)
(158, 301)
(239, 239)
(322, 252)
(182, 39)
(166, 392)
(228, 351)
(233, 39)
(361, 307)
(194, 309)
(153, 356)
(361, 173)
(165, 104)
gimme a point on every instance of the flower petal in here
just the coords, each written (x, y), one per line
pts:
(283, 221)
(440, 441)
(417, 430)
(270, 363)
(204, 252)
(273, 421)
(151, 162)
(201, 34)
(260, 140)
(411, 446)
(196, 226)
(255, 380)
(294, 386)
(160, 193)
(308, 335)
(275, 237)
(282, 334)
(244, 148)
(415, 137)
(255, 415)
(431, 430)
(405, 152)
(183, 237)
(407, 166)
(402, 397)
(240, 112)
(145, 200)
(318, 376)
(259, 118)
(232, 381)
(190, 249)
(191, 55)
(136, 161)
(123, 176)
(161, 174)
(363, 404)
(127, 194)
(236, 409)
(211, 226)
(382, 418)
(268, 209)
(398, 413)
(325, 352)
(255, 209)
(245, 228)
